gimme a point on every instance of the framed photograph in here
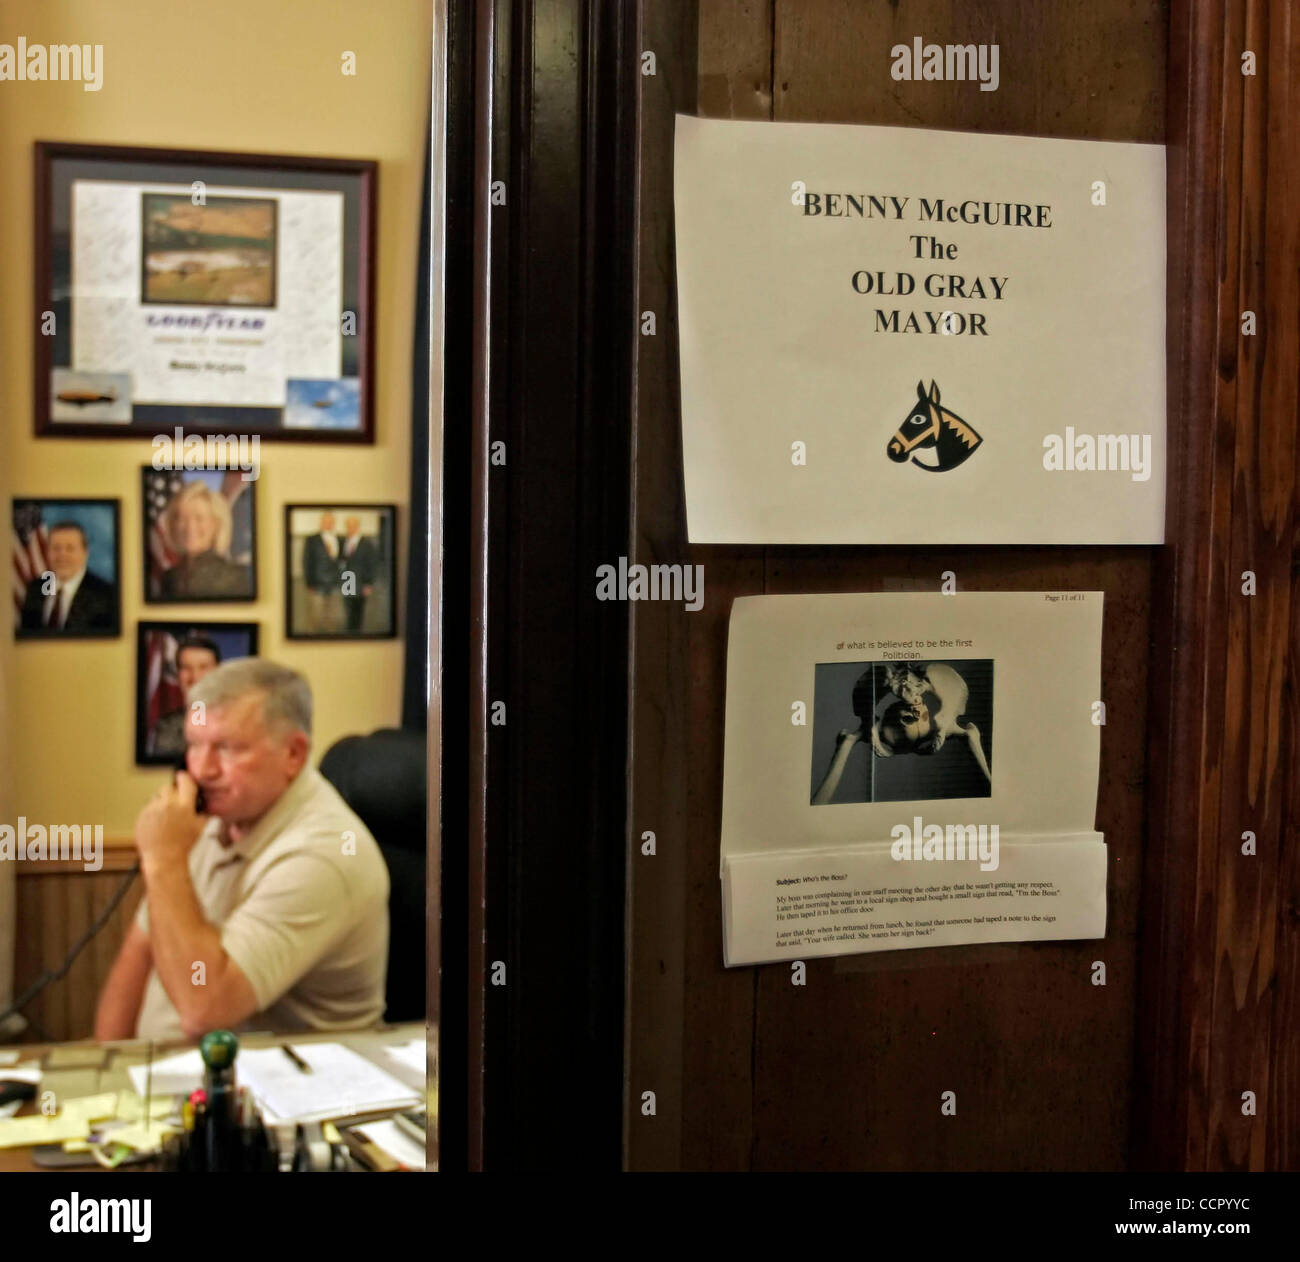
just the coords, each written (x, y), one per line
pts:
(67, 571)
(340, 563)
(200, 536)
(217, 293)
(171, 657)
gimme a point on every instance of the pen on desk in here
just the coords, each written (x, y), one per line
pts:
(293, 1056)
(148, 1085)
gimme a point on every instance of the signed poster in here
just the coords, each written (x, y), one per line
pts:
(896, 335)
(211, 292)
(905, 770)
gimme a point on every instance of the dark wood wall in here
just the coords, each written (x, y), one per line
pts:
(749, 1071)
(1220, 998)
(55, 903)
(1203, 946)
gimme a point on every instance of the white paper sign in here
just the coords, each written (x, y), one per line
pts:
(894, 335)
(906, 770)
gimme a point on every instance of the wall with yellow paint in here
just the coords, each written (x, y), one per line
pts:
(251, 75)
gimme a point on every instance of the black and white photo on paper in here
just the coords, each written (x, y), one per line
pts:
(902, 731)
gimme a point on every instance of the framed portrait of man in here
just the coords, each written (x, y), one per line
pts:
(66, 569)
(171, 657)
(200, 536)
(340, 566)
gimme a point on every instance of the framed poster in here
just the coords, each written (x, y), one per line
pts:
(217, 293)
(67, 569)
(341, 571)
(171, 657)
(200, 536)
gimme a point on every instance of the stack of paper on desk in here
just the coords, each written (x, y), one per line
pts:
(413, 1054)
(172, 1075)
(341, 1083)
(394, 1141)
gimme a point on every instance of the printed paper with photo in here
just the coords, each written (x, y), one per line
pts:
(906, 769)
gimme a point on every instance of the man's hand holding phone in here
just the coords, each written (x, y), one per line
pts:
(170, 823)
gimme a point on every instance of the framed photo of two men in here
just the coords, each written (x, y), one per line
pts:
(340, 567)
(66, 569)
(218, 293)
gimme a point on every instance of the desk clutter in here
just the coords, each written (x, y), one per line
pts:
(316, 1106)
(222, 1131)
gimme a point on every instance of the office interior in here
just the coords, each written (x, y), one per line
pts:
(84, 737)
(565, 753)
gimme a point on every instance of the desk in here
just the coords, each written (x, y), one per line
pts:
(116, 1057)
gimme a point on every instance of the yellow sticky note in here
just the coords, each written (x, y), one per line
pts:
(22, 1132)
(130, 1107)
(73, 1121)
(139, 1136)
(90, 1108)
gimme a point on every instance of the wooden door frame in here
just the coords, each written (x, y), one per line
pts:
(1214, 1005)
(544, 715)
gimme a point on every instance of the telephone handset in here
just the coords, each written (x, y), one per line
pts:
(200, 805)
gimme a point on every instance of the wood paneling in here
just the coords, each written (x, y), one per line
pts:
(1220, 946)
(845, 1073)
(660, 688)
(56, 904)
(1201, 678)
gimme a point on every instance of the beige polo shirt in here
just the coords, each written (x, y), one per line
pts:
(302, 905)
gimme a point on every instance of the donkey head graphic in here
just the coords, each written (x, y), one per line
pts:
(929, 425)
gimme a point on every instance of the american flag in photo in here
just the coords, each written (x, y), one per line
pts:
(161, 485)
(162, 688)
(232, 487)
(30, 537)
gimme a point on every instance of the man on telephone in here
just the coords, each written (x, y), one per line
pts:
(273, 904)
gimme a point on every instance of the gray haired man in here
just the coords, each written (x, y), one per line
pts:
(273, 905)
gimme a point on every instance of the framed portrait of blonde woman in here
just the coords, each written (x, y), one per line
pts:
(200, 536)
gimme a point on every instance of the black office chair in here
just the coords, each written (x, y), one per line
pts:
(383, 778)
